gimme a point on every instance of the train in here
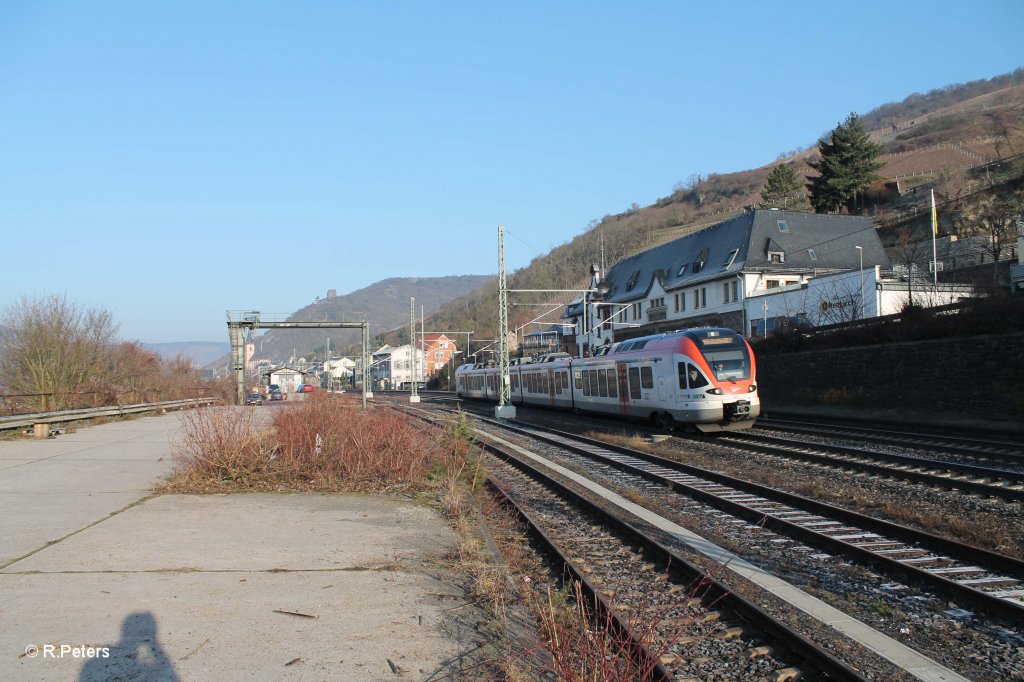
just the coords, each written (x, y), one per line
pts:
(694, 379)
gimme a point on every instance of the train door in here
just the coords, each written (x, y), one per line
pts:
(663, 389)
(623, 380)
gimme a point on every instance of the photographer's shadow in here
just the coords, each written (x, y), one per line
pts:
(138, 656)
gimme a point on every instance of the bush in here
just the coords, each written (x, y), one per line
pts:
(325, 442)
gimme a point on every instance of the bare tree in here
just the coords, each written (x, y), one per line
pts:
(908, 253)
(53, 346)
(995, 218)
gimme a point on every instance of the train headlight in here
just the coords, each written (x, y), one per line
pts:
(753, 387)
(715, 391)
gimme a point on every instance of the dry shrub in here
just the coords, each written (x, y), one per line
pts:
(223, 447)
(325, 442)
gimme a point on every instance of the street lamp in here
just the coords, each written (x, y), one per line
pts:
(863, 303)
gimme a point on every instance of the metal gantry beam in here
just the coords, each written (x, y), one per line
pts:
(251, 321)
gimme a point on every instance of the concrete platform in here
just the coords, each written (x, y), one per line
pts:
(236, 587)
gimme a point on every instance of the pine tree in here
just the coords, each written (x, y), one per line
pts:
(784, 190)
(846, 167)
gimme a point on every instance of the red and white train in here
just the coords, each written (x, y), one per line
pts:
(696, 378)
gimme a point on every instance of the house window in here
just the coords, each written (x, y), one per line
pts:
(735, 291)
(783, 226)
(776, 257)
(638, 310)
(700, 297)
(632, 280)
(682, 269)
(730, 259)
(772, 284)
(657, 303)
(811, 254)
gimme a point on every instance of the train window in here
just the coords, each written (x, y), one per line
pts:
(646, 377)
(697, 380)
(586, 382)
(634, 382)
(556, 381)
(544, 383)
(565, 379)
(602, 382)
(594, 388)
(515, 382)
(612, 392)
(578, 380)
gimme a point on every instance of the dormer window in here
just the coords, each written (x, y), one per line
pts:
(730, 259)
(702, 258)
(682, 269)
(811, 254)
(783, 226)
(632, 280)
(776, 257)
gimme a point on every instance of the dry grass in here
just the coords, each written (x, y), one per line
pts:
(323, 443)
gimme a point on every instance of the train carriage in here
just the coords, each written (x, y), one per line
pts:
(696, 378)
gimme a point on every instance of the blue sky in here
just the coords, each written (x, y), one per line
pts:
(170, 161)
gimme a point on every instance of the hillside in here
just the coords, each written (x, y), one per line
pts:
(384, 304)
(200, 352)
(932, 139)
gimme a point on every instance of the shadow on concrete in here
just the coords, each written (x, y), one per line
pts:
(138, 656)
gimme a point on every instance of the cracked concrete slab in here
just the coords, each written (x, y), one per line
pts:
(188, 587)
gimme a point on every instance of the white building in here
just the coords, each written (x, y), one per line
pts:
(397, 367)
(340, 371)
(286, 378)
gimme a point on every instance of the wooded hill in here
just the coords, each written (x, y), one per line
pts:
(943, 139)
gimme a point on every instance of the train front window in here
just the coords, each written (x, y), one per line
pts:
(726, 354)
(729, 365)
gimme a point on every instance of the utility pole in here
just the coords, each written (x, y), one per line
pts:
(504, 410)
(863, 304)
(414, 396)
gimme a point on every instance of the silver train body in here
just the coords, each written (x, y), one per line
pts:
(696, 378)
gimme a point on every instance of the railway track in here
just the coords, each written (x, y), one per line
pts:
(694, 625)
(970, 478)
(978, 446)
(888, 649)
(944, 565)
(973, 579)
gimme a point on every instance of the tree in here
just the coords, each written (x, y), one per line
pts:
(994, 217)
(53, 346)
(784, 190)
(846, 168)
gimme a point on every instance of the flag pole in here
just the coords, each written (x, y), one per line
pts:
(935, 233)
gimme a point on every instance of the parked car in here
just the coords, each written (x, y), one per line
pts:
(276, 395)
(305, 388)
(254, 399)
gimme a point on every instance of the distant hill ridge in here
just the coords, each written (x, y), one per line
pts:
(384, 305)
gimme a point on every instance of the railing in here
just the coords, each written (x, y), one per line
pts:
(45, 418)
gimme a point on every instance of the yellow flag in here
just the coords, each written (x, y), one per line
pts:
(935, 217)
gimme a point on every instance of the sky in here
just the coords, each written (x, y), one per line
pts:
(171, 161)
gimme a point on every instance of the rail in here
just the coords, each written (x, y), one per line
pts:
(47, 418)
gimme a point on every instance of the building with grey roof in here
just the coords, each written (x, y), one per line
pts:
(708, 278)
